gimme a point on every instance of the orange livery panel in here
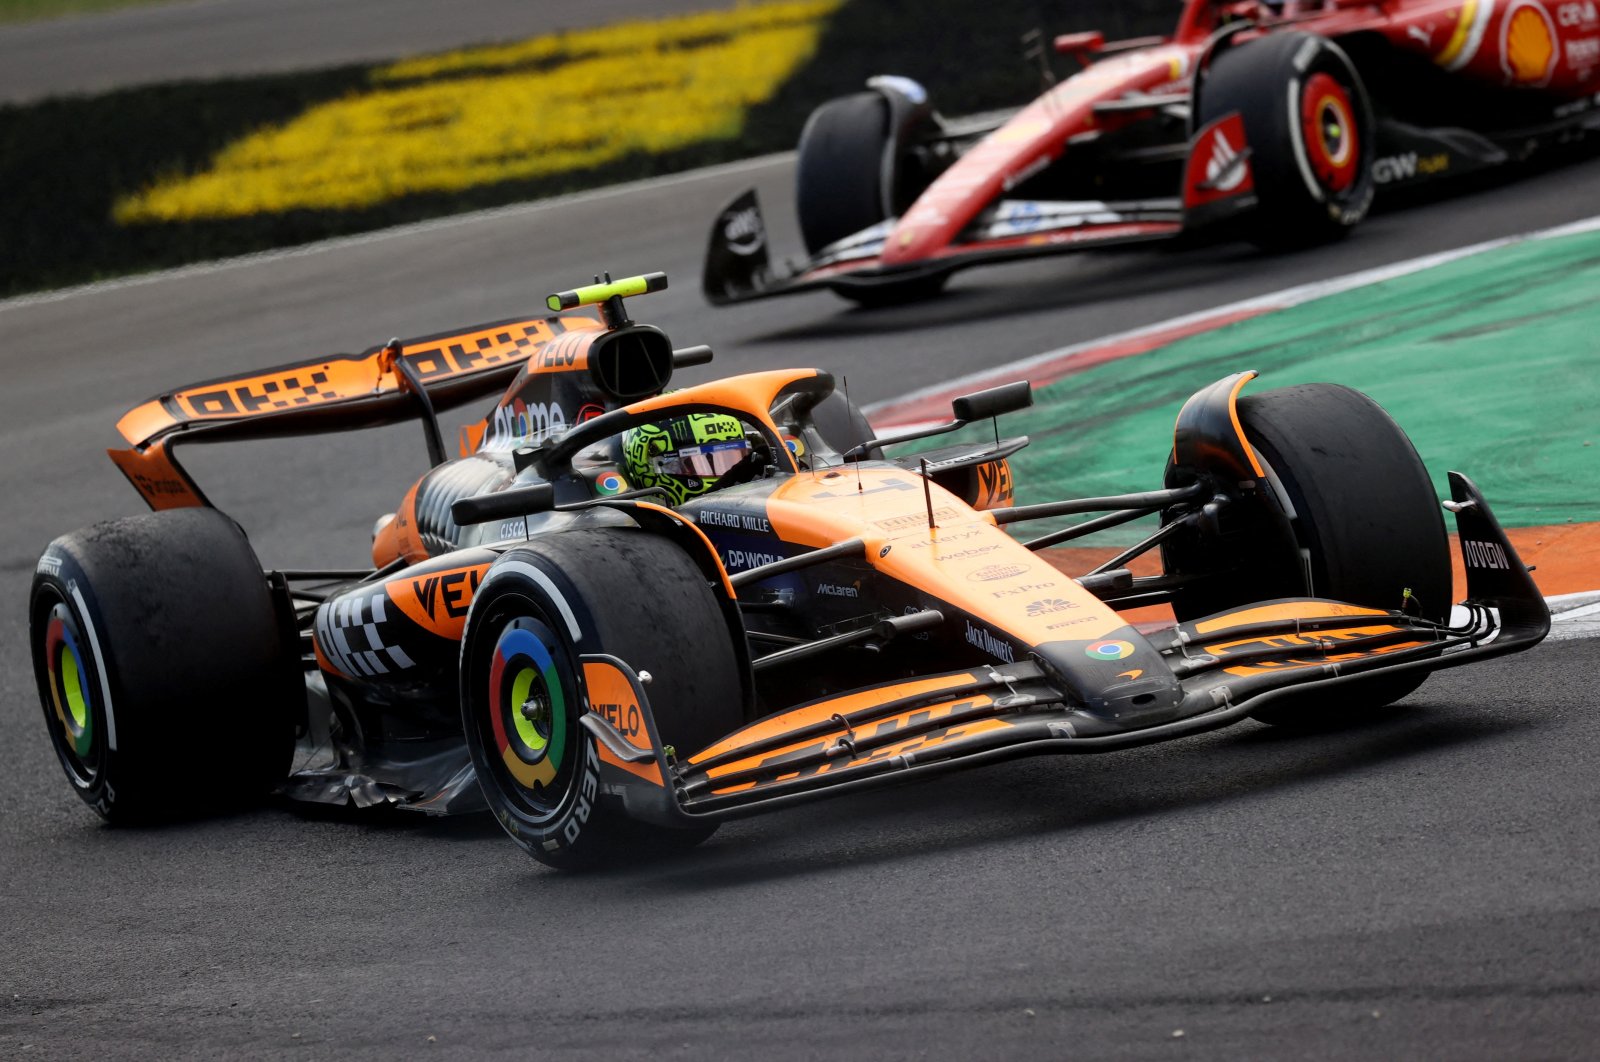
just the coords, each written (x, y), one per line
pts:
(449, 363)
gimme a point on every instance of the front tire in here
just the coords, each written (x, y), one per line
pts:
(839, 186)
(618, 591)
(851, 174)
(1311, 131)
(167, 681)
(1366, 529)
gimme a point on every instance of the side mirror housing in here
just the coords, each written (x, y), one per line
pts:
(1080, 43)
(981, 405)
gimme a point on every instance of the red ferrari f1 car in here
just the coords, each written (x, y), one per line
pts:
(1276, 121)
(625, 614)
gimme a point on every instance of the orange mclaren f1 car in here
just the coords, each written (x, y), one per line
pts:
(1272, 120)
(625, 614)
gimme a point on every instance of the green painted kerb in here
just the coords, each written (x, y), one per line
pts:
(1490, 363)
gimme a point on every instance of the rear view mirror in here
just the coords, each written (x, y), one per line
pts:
(1080, 43)
(1007, 398)
(980, 405)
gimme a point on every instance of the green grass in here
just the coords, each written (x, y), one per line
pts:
(37, 10)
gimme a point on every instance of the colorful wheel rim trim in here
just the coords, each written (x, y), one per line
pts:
(1109, 651)
(523, 672)
(69, 682)
(1328, 118)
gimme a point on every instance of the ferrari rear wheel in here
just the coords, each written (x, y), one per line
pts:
(168, 683)
(540, 608)
(1366, 528)
(1311, 132)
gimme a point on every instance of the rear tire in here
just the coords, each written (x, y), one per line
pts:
(1311, 131)
(633, 595)
(1367, 527)
(167, 681)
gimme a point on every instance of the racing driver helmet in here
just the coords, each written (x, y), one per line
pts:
(686, 455)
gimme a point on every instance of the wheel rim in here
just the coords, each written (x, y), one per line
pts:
(530, 695)
(1332, 136)
(72, 694)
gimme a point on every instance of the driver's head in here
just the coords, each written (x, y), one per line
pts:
(685, 455)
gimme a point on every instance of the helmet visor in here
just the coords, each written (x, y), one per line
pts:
(700, 462)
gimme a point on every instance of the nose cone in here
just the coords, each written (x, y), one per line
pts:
(1119, 678)
(915, 239)
(1030, 140)
(979, 177)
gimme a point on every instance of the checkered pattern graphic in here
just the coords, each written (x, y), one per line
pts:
(350, 635)
(350, 376)
(469, 355)
(308, 393)
(295, 389)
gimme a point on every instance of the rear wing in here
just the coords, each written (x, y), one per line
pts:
(386, 384)
(341, 392)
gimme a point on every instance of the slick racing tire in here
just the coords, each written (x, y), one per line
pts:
(1311, 131)
(839, 173)
(169, 678)
(840, 187)
(619, 591)
(1366, 529)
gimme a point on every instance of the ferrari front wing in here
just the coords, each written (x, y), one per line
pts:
(1218, 185)
(738, 265)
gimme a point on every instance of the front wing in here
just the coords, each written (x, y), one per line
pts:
(1228, 666)
(1218, 184)
(738, 265)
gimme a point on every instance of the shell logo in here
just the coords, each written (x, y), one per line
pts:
(1529, 48)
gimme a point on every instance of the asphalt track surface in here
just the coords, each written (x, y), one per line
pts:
(230, 38)
(1421, 886)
